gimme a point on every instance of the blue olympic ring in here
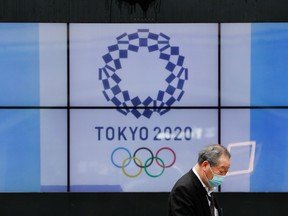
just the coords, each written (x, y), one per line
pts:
(122, 99)
(121, 148)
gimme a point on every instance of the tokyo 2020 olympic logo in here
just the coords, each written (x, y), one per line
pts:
(124, 100)
(145, 164)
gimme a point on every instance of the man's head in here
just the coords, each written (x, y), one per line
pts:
(213, 164)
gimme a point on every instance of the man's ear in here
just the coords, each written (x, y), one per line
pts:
(205, 164)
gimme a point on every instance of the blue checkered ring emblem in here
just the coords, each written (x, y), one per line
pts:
(177, 74)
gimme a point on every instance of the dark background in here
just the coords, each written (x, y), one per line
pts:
(163, 11)
(138, 11)
(128, 204)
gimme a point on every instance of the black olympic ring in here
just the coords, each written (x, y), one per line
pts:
(134, 156)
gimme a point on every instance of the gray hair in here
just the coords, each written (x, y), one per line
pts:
(212, 153)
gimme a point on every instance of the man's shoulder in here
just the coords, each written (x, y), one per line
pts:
(187, 180)
(188, 186)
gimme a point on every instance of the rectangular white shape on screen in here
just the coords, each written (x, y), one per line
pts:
(246, 153)
(139, 58)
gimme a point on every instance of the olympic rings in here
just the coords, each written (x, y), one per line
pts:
(139, 163)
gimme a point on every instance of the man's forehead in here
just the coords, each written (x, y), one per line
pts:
(224, 161)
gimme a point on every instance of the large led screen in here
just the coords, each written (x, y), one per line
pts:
(33, 79)
(142, 65)
(113, 152)
(253, 64)
(126, 107)
(33, 150)
(140, 72)
(254, 112)
(33, 64)
(257, 140)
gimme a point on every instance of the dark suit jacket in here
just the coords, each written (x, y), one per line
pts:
(189, 198)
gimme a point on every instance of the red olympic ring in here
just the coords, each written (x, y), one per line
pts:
(167, 166)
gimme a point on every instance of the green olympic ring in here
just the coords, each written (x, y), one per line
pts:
(163, 167)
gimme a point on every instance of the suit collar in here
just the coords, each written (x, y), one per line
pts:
(203, 193)
(209, 190)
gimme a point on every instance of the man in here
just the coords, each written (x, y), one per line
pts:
(192, 194)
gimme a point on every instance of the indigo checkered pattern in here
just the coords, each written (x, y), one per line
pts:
(127, 43)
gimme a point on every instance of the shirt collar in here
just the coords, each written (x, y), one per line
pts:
(209, 190)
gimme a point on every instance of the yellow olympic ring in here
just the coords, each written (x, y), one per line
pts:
(123, 167)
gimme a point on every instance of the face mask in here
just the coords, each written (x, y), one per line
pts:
(216, 180)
